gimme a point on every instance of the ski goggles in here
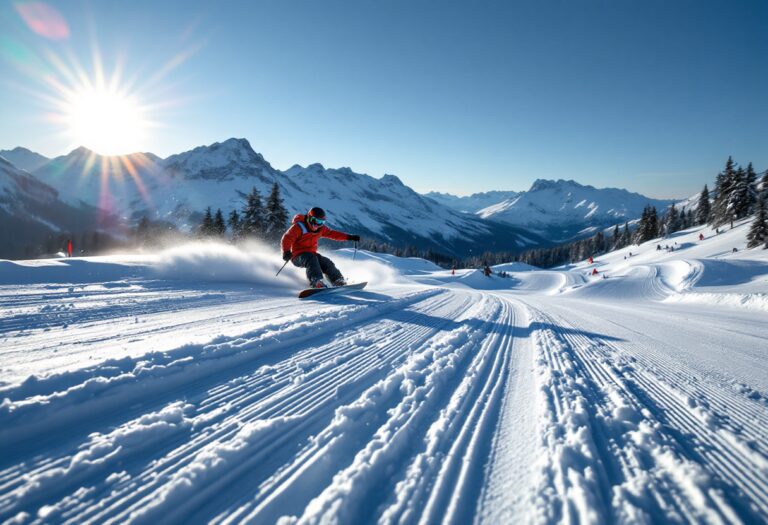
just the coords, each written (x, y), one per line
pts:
(316, 221)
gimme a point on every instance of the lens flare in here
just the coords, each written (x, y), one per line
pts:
(43, 19)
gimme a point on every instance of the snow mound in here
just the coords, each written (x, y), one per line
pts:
(514, 267)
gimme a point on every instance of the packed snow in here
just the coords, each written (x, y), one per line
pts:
(192, 386)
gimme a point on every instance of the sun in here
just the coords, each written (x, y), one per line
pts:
(105, 121)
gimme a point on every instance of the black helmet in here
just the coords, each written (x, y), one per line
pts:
(317, 213)
(316, 216)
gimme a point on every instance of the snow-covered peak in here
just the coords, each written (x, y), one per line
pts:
(392, 179)
(563, 209)
(233, 158)
(556, 185)
(24, 159)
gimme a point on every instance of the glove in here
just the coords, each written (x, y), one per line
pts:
(353, 238)
(287, 255)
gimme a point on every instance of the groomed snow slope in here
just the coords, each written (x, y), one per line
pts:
(192, 386)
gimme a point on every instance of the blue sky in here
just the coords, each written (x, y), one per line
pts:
(459, 97)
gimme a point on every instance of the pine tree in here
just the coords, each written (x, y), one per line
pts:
(739, 200)
(276, 215)
(615, 238)
(672, 221)
(751, 183)
(758, 232)
(724, 184)
(598, 243)
(703, 211)
(626, 236)
(649, 225)
(206, 226)
(653, 224)
(235, 225)
(253, 216)
(763, 190)
(219, 228)
(642, 226)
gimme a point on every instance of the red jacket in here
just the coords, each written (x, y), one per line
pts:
(299, 238)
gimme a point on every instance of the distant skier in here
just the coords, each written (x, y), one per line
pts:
(701, 236)
(299, 246)
(487, 271)
(590, 260)
(594, 271)
(69, 247)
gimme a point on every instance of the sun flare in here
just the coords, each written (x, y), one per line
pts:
(106, 122)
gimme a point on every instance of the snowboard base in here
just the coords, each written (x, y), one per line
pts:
(309, 292)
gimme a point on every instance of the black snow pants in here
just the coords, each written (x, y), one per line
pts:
(316, 266)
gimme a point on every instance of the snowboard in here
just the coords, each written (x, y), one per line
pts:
(309, 292)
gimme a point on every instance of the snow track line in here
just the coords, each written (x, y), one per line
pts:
(288, 485)
(295, 435)
(471, 447)
(377, 360)
(164, 373)
(506, 491)
(754, 417)
(94, 334)
(469, 390)
(680, 437)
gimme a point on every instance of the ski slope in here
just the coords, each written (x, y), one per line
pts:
(192, 386)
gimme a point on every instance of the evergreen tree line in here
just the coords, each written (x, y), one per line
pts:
(257, 220)
(738, 194)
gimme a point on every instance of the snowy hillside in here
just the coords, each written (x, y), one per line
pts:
(179, 188)
(192, 386)
(472, 203)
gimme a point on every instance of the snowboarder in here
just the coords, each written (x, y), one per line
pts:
(299, 246)
(69, 247)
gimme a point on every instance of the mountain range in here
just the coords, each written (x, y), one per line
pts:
(557, 210)
(177, 189)
(472, 203)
